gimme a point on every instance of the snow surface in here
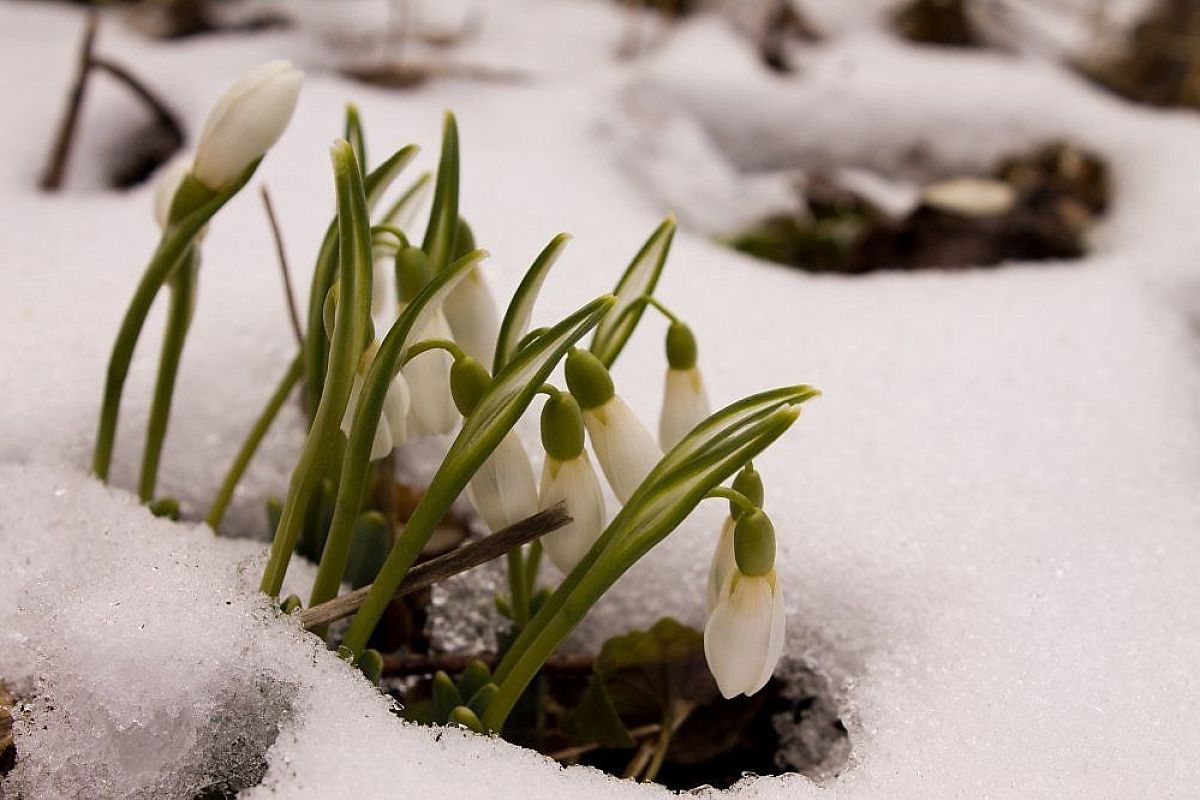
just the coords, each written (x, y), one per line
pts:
(987, 524)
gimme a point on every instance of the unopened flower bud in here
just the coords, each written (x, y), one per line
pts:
(247, 120)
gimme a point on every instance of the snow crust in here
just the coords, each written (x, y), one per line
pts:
(987, 524)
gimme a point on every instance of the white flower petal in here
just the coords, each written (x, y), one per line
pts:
(723, 565)
(383, 290)
(575, 482)
(503, 489)
(625, 449)
(247, 120)
(472, 316)
(744, 635)
(428, 375)
(685, 405)
(396, 407)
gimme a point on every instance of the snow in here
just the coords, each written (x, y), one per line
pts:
(987, 524)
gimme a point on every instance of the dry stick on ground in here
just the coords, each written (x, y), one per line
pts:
(572, 753)
(454, 562)
(60, 154)
(288, 292)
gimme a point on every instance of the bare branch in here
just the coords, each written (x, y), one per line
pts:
(288, 291)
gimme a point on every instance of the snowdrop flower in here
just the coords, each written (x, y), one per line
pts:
(428, 374)
(502, 489)
(744, 635)
(469, 307)
(750, 484)
(567, 475)
(392, 430)
(247, 120)
(685, 401)
(625, 449)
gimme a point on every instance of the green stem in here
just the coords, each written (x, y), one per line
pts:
(660, 752)
(193, 207)
(425, 345)
(517, 587)
(321, 446)
(732, 495)
(250, 446)
(392, 229)
(532, 565)
(182, 286)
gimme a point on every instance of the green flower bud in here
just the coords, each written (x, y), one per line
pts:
(681, 346)
(464, 240)
(371, 664)
(754, 543)
(413, 271)
(588, 379)
(445, 696)
(748, 482)
(562, 427)
(480, 700)
(467, 718)
(468, 381)
(474, 677)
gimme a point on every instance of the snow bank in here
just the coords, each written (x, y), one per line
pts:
(987, 524)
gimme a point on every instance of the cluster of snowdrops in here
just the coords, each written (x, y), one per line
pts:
(450, 363)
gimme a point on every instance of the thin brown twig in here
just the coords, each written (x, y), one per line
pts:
(442, 567)
(572, 753)
(60, 153)
(162, 115)
(288, 292)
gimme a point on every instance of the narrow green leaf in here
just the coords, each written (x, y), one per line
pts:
(639, 280)
(356, 459)
(443, 217)
(354, 135)
(352, 319)
(520, 308)
(400, 212)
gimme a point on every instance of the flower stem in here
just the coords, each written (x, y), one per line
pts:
(182, 288)
(733, 495)
(240, 462)
(425, 345)
(197, 208)
(517, 587)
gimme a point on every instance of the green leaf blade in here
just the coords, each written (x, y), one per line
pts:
(639, 280)
(520, 308)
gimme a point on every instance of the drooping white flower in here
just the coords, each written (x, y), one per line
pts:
(685, 400)
(744, 635)
(247, 120)
(723, 566)
(625, 449)
(573, 481)
(685, 405)
(392, 430)
(472, 315)
(428, 376)
(503, 490)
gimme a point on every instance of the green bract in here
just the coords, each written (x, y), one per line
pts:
(520, 308)
(639, 280)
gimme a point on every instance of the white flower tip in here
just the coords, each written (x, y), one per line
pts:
(247, 120)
